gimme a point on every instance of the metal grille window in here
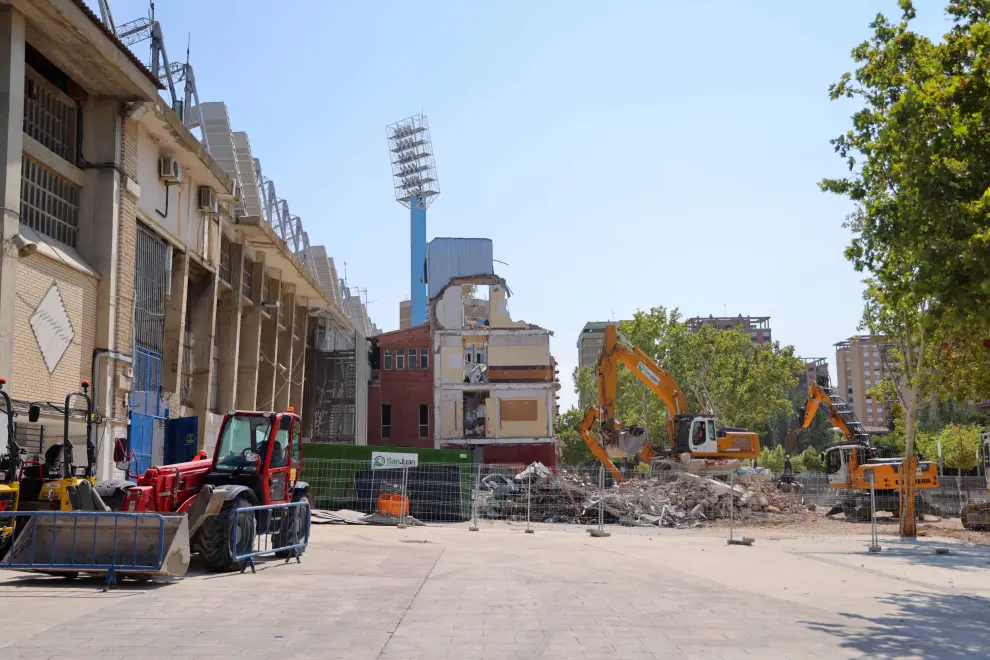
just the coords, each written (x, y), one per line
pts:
(215, 366)
(188, 369)
(49, 115)
(153, 272)
(49, 203)
(225, 259)
(281, 309)
(247, 279)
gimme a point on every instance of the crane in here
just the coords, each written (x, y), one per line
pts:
(694, 435)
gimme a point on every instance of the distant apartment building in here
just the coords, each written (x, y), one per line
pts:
(859, 367)
(758, 327)
(405, 314)
(589, 343)
(814, 370)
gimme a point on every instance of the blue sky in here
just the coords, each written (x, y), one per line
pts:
(620, 155)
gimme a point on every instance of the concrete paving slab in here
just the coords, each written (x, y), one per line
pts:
(363, 592)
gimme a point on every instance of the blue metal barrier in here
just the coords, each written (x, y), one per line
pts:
(114, 542)
(273, 528)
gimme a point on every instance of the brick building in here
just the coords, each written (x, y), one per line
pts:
(400, 397)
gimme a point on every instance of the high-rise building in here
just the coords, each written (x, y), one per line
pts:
(758, 327)
(859, 368)
(589, 343)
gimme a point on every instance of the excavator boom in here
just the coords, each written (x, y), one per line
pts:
(840, 415)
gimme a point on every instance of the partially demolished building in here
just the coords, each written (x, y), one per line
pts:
(494, 378)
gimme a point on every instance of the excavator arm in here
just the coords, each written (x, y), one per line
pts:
(615, 352)
(840, 415)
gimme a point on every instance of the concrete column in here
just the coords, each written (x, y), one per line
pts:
(99, 213)
(11, 147)
(229, 313)
(300, 330)
(250, 343)
(268, 357)
(203, 298)
(362, 373)
(175, 329)
(286, 360)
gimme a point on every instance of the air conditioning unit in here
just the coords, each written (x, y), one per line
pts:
(169, 169)
(207, 200)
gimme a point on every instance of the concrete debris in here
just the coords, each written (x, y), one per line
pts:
(687, 500)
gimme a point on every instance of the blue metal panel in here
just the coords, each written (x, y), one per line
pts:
(181, 439)
(417, 260)
(147, 412)
(447, 258)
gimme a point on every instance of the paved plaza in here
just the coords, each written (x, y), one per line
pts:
(373, 592)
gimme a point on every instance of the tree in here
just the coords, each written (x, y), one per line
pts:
(918, 154)
(575, 451)
(960, 446)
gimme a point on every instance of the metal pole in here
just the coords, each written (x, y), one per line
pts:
(529, 501)
(474, 498)
(405, 499)
(600, 531)
(746, 540)
(874, 540)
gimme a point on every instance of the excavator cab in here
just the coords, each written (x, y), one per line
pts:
(696, 434)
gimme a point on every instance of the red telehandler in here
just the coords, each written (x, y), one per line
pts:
(257, 461)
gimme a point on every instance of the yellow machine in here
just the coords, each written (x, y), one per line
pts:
(977, 516)
(695, 436)
(50, 484)
(854, 464)
(9, 465)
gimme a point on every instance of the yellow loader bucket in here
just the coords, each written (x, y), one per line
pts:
(98, 542)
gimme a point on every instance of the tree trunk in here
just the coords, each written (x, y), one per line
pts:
(908, 525)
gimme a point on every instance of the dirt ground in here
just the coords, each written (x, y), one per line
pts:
(816, 523)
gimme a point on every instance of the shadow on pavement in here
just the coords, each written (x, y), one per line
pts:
(925, 624)
(95, 582)
(959, 556)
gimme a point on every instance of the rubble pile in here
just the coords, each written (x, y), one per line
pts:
(684, 500)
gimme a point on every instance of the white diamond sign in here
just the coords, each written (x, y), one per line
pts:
(52, 327)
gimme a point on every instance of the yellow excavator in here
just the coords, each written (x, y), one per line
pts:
(698, 442)
(853, 463)
(976, 516)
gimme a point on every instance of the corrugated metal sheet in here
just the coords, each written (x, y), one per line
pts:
(447, 258)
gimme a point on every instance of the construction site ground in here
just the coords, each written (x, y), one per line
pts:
(447, 592)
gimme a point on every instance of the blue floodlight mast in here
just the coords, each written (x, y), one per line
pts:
(416, 186)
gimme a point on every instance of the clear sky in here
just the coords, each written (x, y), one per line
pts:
(620, 155)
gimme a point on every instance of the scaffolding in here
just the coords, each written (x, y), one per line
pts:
(331, 406)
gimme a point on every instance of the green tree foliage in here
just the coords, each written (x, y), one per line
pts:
(720, 371)
(960, 445)
(918, 153)
(810, 460)
(575, 451)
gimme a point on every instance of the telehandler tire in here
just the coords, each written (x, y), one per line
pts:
(216, 537)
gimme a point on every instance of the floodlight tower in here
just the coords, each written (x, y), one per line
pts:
(415, 176)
